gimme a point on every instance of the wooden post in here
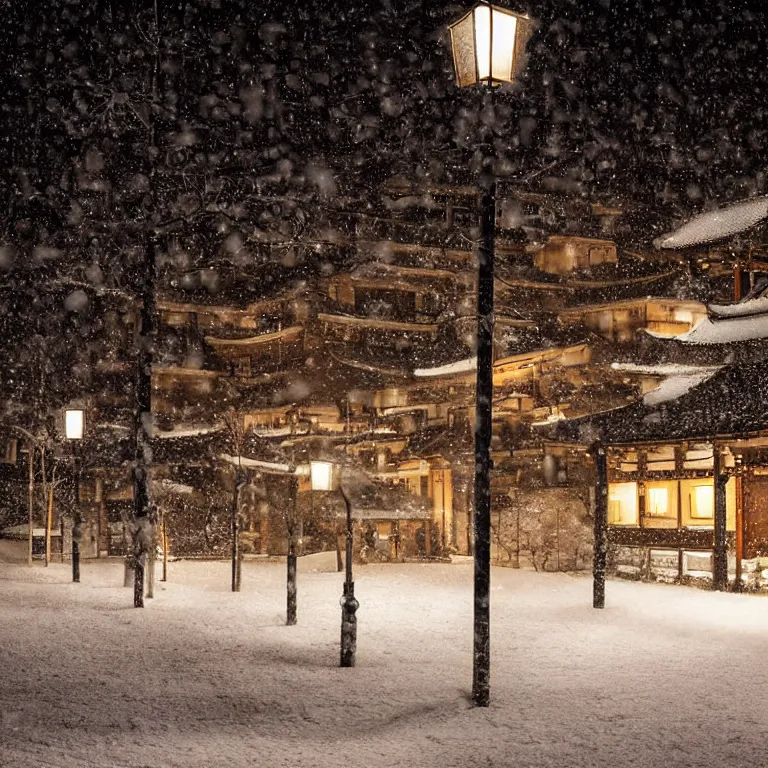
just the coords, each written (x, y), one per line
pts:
(165, 549)
(239, 481)
(48, 525)
(31, 501)
(739, 529)
(601, 526)
(720, 559)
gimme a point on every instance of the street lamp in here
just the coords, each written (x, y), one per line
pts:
(322, 479)
(488, 46)
(74, 428)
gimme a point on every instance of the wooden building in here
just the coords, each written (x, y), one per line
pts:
(687, 480)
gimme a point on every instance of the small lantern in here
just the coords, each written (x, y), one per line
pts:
(488, 45)
(321, 475)
(74, 424)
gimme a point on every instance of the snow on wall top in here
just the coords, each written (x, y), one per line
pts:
(715, 225)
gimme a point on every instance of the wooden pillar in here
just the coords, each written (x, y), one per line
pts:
(737, 282)
(30, 503)
(601, 526)
(739, 529)
(264, 528)
(720, 559)
(49, 524)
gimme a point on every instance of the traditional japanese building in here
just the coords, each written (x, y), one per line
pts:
(367, 346)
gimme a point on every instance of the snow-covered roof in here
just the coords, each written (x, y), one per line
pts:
(664, 369)
(732, 401)
(727, 330)
(187, 431)
(755, 306)
(716, 225)
(266, 466)
(460, 366)
(676, 386)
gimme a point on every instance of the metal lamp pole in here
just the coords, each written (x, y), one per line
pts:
(488, 46)
(483, 432)
(74, 430)
(349, 604)
(77, 526)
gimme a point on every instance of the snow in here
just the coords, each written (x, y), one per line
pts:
(756, 306)
(267, 466)
(733, 329)
(664, 677)
(664, 369)
(461, 366)
(187, 432)
(679, 378)
(717, 224)
(675, 386)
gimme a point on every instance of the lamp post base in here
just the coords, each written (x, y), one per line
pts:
(290, 616)
(75, 562)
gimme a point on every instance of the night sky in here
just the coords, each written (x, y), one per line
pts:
(659, 103)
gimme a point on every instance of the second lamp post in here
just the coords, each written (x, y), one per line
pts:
(74, 427)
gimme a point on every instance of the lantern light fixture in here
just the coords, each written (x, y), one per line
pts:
(488, 45)
(321, 475)
(74, 423)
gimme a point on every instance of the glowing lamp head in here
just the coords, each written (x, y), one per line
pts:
(74, 424)
(488, 45)
(321, 475)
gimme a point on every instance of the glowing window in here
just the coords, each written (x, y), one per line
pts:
(703, 501)
(622, 504)
(657, 502)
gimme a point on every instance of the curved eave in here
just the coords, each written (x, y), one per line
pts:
(288, 334)
(384, 325)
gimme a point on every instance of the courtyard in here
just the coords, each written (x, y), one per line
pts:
(664, 676)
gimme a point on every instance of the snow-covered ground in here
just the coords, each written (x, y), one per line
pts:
(664, 676)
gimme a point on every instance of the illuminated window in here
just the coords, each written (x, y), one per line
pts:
(703, 501)
(657, 502)
(698, 498)
(660, 504)
(622, 504)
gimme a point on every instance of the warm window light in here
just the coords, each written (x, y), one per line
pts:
(622, 504)
(657, 502)
(488, 45)
(703, 501)
(74, 424)
(321, 473)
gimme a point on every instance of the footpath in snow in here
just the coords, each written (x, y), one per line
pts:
(663, 677)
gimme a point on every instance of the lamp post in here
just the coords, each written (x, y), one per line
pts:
(488, 46)
(321, 476)
(74, 428)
